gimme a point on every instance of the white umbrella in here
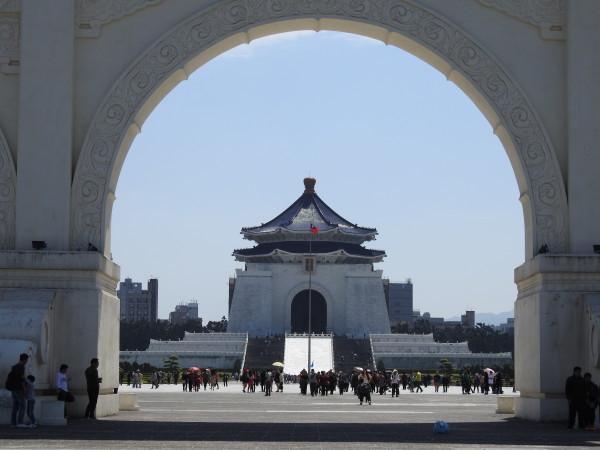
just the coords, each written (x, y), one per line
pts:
(358, 369)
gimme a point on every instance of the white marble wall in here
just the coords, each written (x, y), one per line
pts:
(264, 292)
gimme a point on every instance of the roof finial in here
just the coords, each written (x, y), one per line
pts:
(309, 185)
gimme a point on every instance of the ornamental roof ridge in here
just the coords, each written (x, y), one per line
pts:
(317, 248)
(305, 212)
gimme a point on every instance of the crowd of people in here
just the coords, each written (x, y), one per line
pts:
(195, 378)
(582, 393)
(22, 389)
(266, 378)
(484, 382)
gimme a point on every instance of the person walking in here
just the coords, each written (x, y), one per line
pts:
(436, 382)
(15, 383)
(268, 383)
(395, 381)
(93, 388)
(417, 381)
(303, 381)
(364, 387)
(342, 381)
(314, 385)
(476, 382)
(575, 393)
(445, 382)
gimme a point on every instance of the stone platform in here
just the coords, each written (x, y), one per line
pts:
(170, 418)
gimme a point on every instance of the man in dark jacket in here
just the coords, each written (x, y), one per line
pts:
(93, 388)
(575, 392)
(16, 385)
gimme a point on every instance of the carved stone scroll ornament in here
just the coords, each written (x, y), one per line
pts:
(200, 32)
(591, 327)
(9, 43)
(548, 15)
(8, 180)
(10, 6)
(92, 14)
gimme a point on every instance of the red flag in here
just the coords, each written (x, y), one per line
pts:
(313, 229)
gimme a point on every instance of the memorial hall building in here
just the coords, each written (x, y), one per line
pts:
(309, 244)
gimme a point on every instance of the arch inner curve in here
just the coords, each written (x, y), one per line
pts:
(215, 30)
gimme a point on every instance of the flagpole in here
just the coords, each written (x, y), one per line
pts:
(310, 266)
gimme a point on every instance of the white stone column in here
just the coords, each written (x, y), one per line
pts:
(45, 123)
(72, 315)
(554, 330)
(583, 93)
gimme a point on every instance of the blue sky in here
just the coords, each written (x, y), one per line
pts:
(393, 145)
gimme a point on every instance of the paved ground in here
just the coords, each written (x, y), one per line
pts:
(229, 419)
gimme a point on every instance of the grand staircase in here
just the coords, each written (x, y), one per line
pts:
(296, 353)
(263, 351)
(350, 353)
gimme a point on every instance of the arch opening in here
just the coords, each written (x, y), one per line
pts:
(318, 313)
(405, 25)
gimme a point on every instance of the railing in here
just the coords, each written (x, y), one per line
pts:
(306, 335)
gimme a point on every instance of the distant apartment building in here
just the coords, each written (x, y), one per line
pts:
(184, 312)
(399, 301)
(467, 319)
(507, 327)
(137, 304)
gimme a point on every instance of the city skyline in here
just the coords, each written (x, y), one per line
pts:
(434, 232)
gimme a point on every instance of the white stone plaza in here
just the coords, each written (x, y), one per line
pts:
(227, 418)
(79, 78)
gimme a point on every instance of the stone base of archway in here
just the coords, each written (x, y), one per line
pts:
(61, 308)
(557, 327)
(541, 409)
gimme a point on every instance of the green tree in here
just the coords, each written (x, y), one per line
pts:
(171, 364)
(446, 366)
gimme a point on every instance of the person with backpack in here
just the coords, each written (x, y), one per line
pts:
(15, 383)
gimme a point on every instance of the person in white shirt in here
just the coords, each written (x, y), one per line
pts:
(62, 384)
(62, 381)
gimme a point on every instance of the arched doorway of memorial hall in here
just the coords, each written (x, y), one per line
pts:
(201, 37)
(300, 312)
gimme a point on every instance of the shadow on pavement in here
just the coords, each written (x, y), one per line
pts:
(511, 432)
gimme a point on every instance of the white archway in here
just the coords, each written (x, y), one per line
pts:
(215, 30)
